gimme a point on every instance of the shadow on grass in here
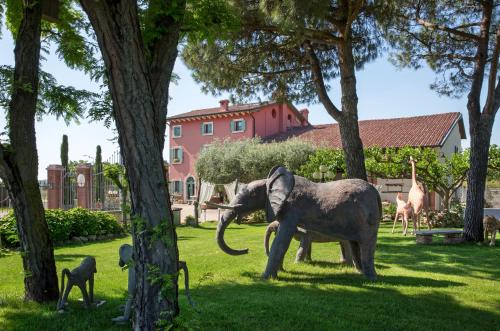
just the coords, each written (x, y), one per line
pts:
(462, 259)
(354, 279)
(286, 306)
(20, 315)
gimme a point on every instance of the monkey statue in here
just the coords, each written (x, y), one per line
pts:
(125, 252)
(79, 276)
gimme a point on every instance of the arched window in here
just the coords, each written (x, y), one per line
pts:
(273, 113)
(190, 187)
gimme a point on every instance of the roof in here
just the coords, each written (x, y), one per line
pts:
(251, 107)
(217, 110)
(416, 131)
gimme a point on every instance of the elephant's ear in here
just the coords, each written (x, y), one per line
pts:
(280, 183)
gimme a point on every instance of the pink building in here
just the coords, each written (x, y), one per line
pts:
(191, 131)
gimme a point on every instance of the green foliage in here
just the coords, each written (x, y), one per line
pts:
(98, 170)
(64, 102)
(441, 174)
(256, 217)
(190, 220)
(64, 224)
(268, 55)
(333, 159)
(247, 160)
(389, 210)
(452, 218)
(442, 34)
(64, 151)
(494, 163)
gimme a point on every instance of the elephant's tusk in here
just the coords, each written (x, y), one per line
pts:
(216, 205)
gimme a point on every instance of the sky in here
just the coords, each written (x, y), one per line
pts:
(383, 91)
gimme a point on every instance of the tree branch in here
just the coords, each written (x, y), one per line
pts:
(493, 99)
(320, 83)
(453, 31)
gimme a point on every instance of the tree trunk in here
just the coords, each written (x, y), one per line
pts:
(19, 164)
(480, 133)
(348, 122)
(140, 115)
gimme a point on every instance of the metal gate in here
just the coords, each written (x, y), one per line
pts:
(68, 190)
(106, 195)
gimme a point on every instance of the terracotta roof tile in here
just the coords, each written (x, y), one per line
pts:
(216, 110)
(417, 131)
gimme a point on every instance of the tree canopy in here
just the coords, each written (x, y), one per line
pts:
(247, 160)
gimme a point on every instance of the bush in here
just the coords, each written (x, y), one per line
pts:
(64, 225)
(452, 218)
(257, 217)
(389, 210)
(190, 220)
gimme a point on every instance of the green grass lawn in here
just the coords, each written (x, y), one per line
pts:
(432, 287)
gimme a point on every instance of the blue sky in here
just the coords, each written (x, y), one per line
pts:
(383, 90)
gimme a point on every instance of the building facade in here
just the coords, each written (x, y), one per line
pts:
(190, 132)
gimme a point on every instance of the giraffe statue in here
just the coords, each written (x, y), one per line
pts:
(417, 198)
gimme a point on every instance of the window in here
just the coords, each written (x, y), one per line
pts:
(273, 113)
(176, 131)
(457, 149)
(238, 125)
(207, 128)
(177, 186)
(176, 155)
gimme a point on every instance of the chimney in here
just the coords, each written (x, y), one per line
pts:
(224, 104)
(305, 114)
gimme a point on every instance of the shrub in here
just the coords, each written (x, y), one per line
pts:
(64, 224)
(389, 210)
(257, 217)
(452, 218)
(190, 220)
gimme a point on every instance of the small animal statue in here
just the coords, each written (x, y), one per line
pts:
(491, 225)
(125, 252)
(126, 259)
(417, 197)
(79, 276)
(405, 210)
(306, 238)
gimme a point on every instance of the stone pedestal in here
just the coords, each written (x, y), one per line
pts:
(55, 175)
(84, 185)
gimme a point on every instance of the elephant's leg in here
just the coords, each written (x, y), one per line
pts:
(356, 254)
(304, 247)
(309, 251)
(345, 252)
(278, 249)
(368, 259)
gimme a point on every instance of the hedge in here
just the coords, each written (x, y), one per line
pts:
(64, 225)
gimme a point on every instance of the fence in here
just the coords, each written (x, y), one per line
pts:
(106, 195)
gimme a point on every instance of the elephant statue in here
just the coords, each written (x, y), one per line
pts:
(348, 209)
(306, 238)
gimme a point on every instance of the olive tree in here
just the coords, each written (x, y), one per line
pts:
(249, 159)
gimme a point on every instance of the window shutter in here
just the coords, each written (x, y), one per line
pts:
(181, 186)
(171, 155)
(201, 128)
(180, 155)
(232, 125)
(243, 125)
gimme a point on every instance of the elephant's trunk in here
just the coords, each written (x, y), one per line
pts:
(271, 228)
(221, 227)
